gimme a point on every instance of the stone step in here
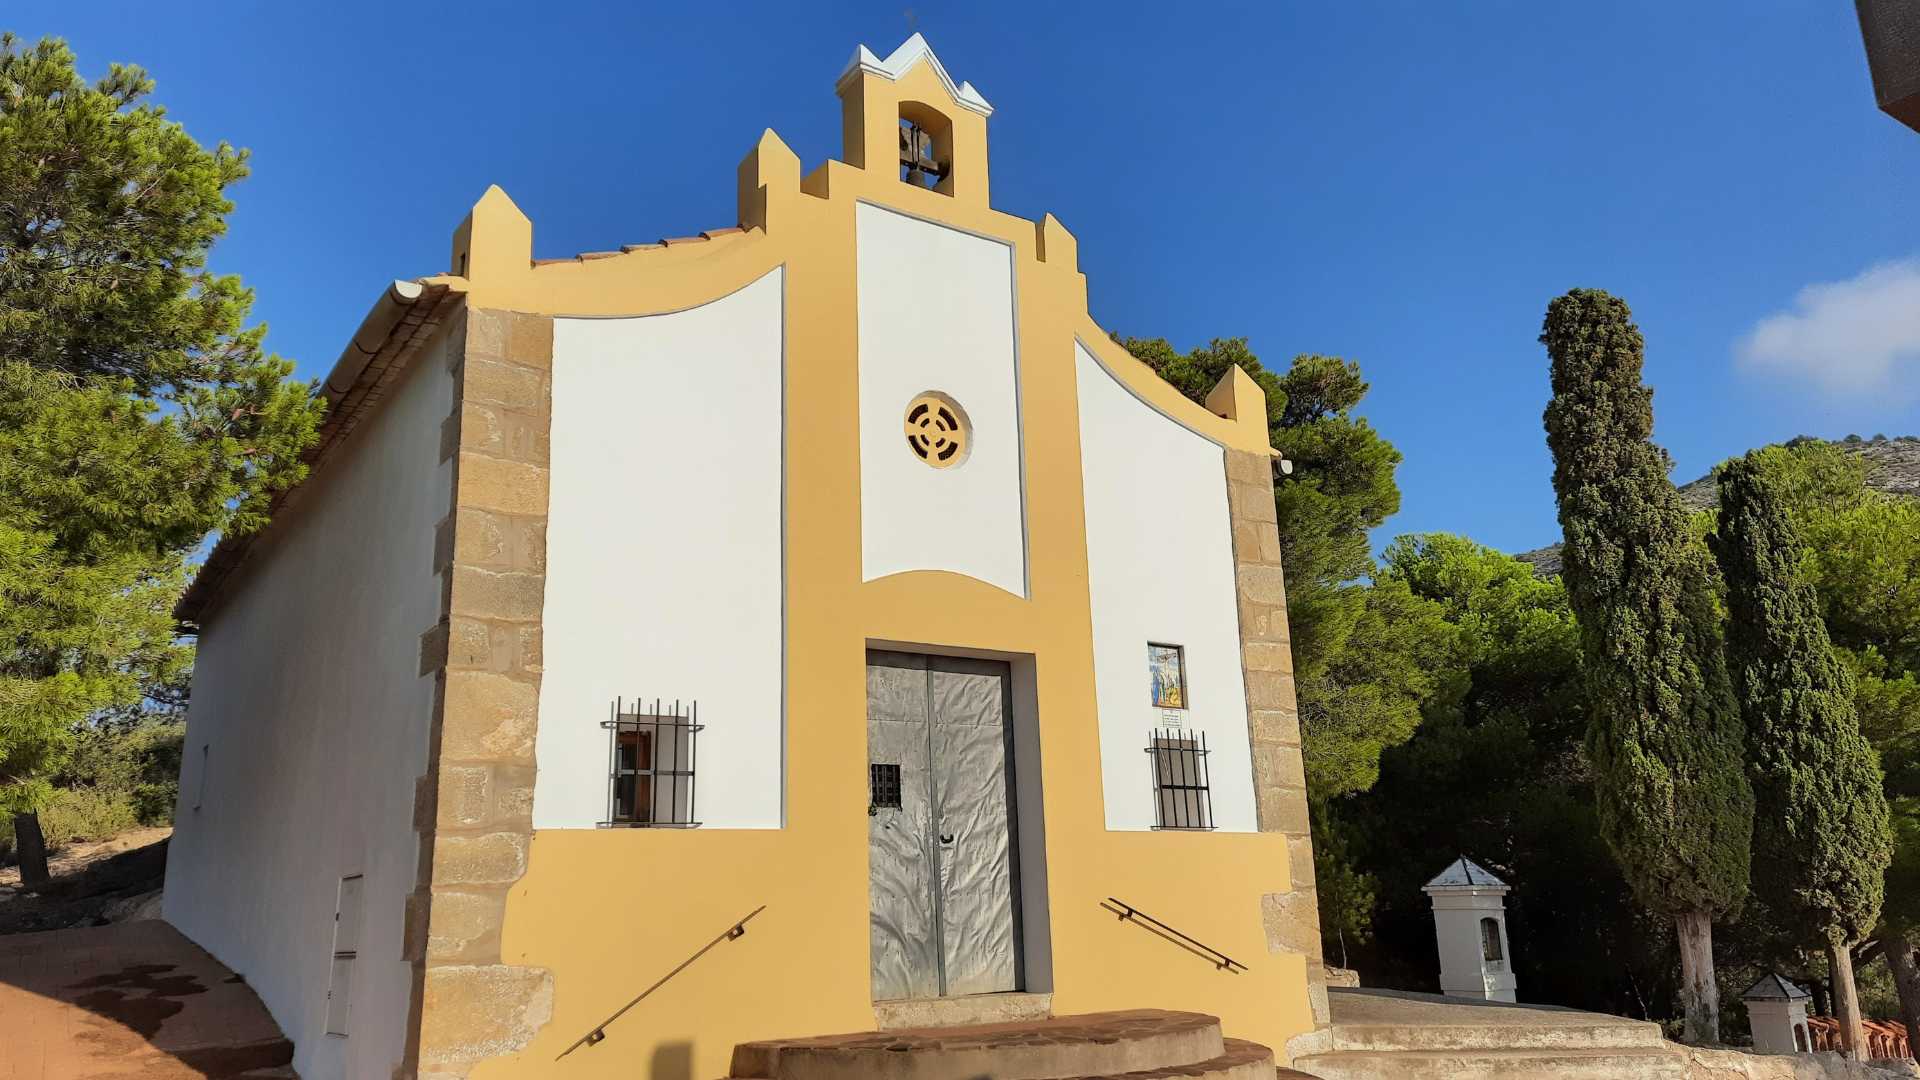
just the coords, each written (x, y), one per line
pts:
(1637, 1063)
(1619, 1034)
(970, 1010)
(1091, 1045)
(235, 1059)
(1240, 1060)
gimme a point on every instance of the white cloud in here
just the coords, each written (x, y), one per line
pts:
(1855, 337)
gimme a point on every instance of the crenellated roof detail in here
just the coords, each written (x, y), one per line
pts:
(901, 60)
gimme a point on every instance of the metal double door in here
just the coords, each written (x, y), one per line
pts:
(941, 837)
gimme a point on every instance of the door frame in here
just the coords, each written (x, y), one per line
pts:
(1028, 843)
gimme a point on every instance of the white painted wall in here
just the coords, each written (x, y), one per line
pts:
(308, 698)
(1464, 969)
(1157, 498)
(937, 313)
(665, 554)
(1774, 1024)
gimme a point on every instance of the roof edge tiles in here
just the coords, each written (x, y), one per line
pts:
(1464, 873)
(401, 320)
(1771, 987)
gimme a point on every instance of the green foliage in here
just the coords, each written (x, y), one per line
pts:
(1902, 907)
(1341, 486)
(1367, 695)
(1865, 561)
(1342, 482)
(1861, 554)
(1809, 476)
(77, 814)
(120, 775)
(1347, 894)
(80, 631)
(1361, 657)
(1496, 771)
(1821, 841)
(1888, 704)
(109, 211)
(1196, 373)
(138, 411)
(1665, 736)
(138, 761)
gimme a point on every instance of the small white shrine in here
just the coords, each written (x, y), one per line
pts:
(1470, 924)
(1777, 1011)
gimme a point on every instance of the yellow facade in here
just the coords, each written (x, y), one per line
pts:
(609, 911)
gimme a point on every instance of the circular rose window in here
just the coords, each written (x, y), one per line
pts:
(938, 431)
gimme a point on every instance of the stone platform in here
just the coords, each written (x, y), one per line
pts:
(1382, 1034)
(1145, 1044)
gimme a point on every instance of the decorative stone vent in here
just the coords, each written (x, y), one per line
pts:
(938, 431)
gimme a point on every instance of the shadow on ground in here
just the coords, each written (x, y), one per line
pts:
(129, 999)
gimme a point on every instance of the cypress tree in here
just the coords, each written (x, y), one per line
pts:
(1821, 834)
(1665, 734)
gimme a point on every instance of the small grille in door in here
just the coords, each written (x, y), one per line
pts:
(884, 783)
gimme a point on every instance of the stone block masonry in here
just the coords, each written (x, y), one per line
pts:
(474, 806)
(1273, 715)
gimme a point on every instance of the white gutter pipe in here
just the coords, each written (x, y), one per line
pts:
(367, 341)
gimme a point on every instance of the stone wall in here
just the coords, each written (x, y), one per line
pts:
(1273, 716)
(474, 806)
(1720, 1064)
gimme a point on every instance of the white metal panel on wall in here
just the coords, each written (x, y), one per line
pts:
(1160, 569)
(937, 313)
(665, 555)
(313, 716)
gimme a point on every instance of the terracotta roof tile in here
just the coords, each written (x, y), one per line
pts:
(629, 249)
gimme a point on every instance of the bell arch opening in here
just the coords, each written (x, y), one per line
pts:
(926, 147)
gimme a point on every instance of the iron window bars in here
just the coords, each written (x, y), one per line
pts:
(650, 765)
(1182, 795)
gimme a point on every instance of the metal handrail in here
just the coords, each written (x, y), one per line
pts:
(599, 1032)
(1220, 960)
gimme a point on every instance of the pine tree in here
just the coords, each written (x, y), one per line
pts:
(1364, 656)
(1665, 736)
(138, 410)
(86, 619)
(1821, 836)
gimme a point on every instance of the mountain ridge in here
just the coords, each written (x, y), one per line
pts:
(1893, 468)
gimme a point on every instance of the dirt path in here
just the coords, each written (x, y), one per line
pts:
(77, 856)
(93, 884)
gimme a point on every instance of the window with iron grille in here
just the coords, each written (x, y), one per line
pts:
(650, 768)
(1182, 798)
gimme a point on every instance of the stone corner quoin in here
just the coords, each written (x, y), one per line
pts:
(475, 812)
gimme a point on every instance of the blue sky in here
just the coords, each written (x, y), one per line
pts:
(1401, 184)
